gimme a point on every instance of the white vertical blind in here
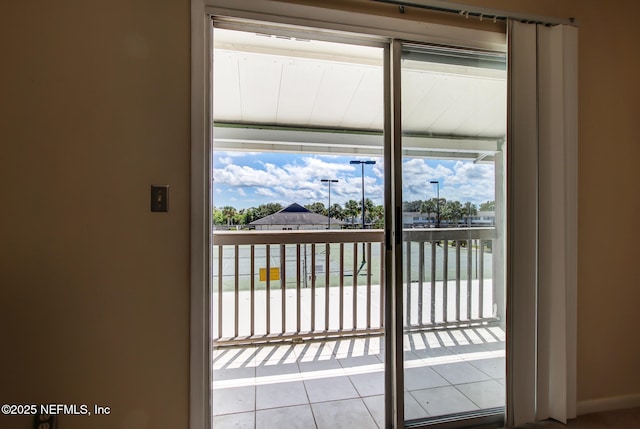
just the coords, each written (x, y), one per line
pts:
(557, 87)
(543, 237)
(522, 190)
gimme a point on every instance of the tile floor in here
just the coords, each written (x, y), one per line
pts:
(340, 383)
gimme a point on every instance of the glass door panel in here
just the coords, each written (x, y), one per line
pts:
(297, 268)
(453, 133)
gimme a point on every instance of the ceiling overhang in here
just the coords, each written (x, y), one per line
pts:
(236, 137)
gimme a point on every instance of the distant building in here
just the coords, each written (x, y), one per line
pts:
(487, 218)
(418, 220)
(423, 220)
(295, 217)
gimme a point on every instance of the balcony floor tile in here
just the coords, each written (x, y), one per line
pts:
(345, 414)
(298, 417)
(375, 405)
(422, 378)
(368, 384)
(360, 361)
(234, 400)
(330, 389)
(485, 394)
(235, 421)
(493, 367)
(282, 369)
(460, 372)
(280, 395)
(234, 374)
(328, 384)
(327, 364)
(443, 400)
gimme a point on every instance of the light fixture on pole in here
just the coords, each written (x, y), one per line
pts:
(362, 163)
(329, 181)
(436, 182)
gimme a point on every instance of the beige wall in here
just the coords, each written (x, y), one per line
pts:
(608, 269)
(94, 102)
(94, 107)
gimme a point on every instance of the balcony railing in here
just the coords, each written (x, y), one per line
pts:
(450, 273)
(271, 285)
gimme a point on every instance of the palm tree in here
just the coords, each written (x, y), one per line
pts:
(428, 207)
(369, 207)
(336, 212)
(453, 211)
(266, 209)
(411, 206)
(229, 212)
(248, 216)
(352, 209)
(316, 207)
(469, 210)
(377, 216)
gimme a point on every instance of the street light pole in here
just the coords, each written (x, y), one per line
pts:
(362, 163)
(436, 182)
(329, 181)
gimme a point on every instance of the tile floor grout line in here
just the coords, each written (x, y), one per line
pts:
(418, 402)
(360, 397)
(313, 414)
(455, 386)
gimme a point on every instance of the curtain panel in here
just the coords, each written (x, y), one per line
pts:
(542, 227)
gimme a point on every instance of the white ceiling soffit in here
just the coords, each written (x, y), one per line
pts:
(327, 142)
(276, 81)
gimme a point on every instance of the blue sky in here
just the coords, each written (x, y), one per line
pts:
(247, 179)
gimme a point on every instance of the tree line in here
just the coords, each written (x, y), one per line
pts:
(449, 210)
(351, 212)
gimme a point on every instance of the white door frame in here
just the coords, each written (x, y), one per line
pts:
(377, 27)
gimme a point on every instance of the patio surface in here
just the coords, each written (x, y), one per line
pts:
(339, 383)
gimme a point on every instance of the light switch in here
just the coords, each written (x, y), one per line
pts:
(159, 198)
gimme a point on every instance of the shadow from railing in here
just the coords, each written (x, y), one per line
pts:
(417, 345)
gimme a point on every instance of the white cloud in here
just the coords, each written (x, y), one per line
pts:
(416, 175)
(315, 169)
(468, 171)
(378, 168)
(236, 175)
(300, 180)
(471, 182)
(265, 192)
(465, 181)
(301, 196)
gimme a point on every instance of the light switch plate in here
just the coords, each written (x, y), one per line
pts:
(159, 198)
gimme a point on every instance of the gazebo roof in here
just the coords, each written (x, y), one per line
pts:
(294, 214)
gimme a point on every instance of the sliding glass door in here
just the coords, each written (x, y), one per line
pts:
(302, 291)
(453, 110)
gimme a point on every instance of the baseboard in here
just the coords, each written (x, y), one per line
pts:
(608, 404)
